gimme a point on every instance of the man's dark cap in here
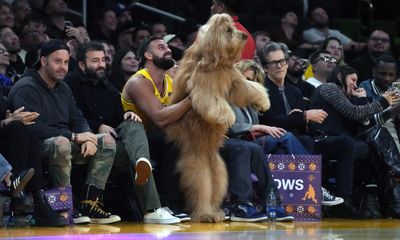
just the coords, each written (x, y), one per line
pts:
(50, 46)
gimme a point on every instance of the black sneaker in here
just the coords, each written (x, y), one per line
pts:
(94, 210)
(19, 181)
(329, 199)
(282, 215)
(184, 217)
(78, 218)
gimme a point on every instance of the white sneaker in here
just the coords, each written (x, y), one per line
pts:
(143, 171)
(181, 215)
(160, 216)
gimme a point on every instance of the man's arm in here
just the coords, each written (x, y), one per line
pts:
(141, 92)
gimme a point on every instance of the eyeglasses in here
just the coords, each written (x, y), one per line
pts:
(340, 48)
(376, 39)
(281, 62)
(326, 59)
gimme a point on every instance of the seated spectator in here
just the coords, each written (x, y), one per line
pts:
(158, 29)
(296, 67)
(101, 105)
(105, 26)
(288, 32)
(378, 44)
(4, 63)
(247, 125)
(287, 110)
(11, 42)
(334, 47)
(320, 31)
(335, 97)
(123, 13)
(322, 63)
(384, 73)
(272, 139)
(147, 93)
(261, 38)
(66, 133)
(75, 36)
(56, 11)
(22, 149)
(140, 34)
(21, 9)
(124, 65)
(33, 33)
(123, 36)
(6, 15)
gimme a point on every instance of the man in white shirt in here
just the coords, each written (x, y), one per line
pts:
(317, 34)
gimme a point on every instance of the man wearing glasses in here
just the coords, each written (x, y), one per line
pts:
(288, 109)
(377, 45)
(322, 64)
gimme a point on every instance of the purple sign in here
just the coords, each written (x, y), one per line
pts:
(298, 179)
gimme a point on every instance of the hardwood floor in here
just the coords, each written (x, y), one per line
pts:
(336, 229)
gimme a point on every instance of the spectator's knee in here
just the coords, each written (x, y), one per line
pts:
(108, 142)
(63, 146)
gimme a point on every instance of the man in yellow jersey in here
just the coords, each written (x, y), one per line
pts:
(147, 93)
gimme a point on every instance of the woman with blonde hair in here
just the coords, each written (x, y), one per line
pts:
(251, 70)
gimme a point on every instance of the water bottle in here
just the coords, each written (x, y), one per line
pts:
(271, 205)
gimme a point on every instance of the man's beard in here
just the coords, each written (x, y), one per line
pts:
(295, 73)
(163, 62)
(94, 75)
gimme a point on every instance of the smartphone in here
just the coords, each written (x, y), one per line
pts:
(68, 24)
(395, 86)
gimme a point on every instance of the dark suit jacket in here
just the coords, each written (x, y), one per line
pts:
(276, 115)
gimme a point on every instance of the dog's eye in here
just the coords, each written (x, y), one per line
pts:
(229, 30)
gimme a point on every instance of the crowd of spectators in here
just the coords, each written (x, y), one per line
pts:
(100, 97)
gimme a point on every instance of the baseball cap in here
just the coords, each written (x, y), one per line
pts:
(50, 46)
(169, 38)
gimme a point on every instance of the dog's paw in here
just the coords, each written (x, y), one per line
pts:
(227, 119)
(261, 106)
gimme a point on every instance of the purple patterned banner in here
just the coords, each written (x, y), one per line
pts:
(298, 178)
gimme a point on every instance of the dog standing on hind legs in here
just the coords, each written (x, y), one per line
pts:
(209, 77)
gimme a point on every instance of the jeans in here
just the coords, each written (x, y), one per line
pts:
(287, 144)
(5, 167)
(243, 158)
(132, 146)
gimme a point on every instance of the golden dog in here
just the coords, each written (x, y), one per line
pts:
(209, 77)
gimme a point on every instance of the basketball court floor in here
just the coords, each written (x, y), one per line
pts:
(331, 229)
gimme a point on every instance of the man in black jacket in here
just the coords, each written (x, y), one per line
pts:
(65, 131)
